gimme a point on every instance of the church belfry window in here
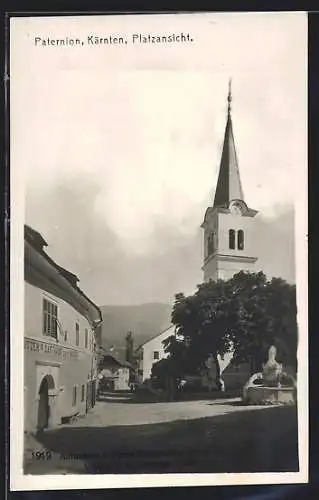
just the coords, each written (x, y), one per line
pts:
(232, 239)
(240, 239)
(211, 244)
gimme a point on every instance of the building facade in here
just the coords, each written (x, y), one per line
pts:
(61, 340)
(228, 249)
(228, 225)
(229, 239)
(114, 374)
(153, 351)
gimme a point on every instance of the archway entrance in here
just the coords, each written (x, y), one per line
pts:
(44, 405)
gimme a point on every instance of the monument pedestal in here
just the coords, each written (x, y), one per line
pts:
(260, 395)
(271, 386)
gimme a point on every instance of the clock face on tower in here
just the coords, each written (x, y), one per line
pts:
(236, 208)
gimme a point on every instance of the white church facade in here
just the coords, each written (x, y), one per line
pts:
(228, 246)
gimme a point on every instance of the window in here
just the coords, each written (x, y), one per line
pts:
(232, 239)
(82, 393)
(86, 338)
(155, 355)
(240, 240)
(74, 395)
(65, 336)
(211, 244)
(77, 333)
(50, 318)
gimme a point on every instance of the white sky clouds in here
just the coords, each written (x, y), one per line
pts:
(147, 122)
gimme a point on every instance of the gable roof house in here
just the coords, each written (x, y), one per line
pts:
(152, 351)
(114, 373)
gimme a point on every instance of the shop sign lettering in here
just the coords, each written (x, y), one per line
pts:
(57, 351)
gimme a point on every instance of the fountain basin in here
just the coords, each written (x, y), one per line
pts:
(272, 386)
(262, 395)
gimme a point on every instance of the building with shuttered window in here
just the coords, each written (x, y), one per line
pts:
(61, 340)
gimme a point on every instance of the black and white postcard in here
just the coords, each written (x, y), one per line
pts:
(158, 319)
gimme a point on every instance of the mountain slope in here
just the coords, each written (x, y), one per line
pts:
(143, 321)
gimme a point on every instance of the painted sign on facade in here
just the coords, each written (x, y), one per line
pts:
(59, 352)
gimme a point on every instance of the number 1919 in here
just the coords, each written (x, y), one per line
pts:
(41, 455)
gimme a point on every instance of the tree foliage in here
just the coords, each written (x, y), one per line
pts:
(245, 314)
(129, 347)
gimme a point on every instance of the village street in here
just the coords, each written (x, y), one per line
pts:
(121, 435)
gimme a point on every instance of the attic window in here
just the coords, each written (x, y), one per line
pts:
(155, 355)
(77, 334)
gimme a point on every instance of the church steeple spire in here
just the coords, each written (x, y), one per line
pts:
(229, 184)
(229, 224)
(229, 97)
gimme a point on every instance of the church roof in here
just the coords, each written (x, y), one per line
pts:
(229, 184)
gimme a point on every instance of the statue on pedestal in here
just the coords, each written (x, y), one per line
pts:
(272, 385)
(272, 369)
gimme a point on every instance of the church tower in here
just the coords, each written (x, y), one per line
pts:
(228, 224)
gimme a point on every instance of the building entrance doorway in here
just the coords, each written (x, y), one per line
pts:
(88, 396)
(44, 410)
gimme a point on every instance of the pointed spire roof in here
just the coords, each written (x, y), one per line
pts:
(229, 184)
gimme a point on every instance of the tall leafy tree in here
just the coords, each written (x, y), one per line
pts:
(245, 314)
(131, 356)
(282, 311)
(129, 347)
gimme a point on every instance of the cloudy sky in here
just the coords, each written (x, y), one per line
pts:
(118, 147)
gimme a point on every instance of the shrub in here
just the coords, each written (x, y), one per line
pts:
(286, 380)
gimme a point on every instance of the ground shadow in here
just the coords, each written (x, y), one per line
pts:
(238, 402)
(237, 442)
(151, 398)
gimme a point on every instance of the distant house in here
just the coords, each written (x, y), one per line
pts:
(152, 351)
(113, 373)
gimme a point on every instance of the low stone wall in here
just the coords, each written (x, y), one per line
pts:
(258, 395)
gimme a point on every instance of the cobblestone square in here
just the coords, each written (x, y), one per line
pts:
(122, 436)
